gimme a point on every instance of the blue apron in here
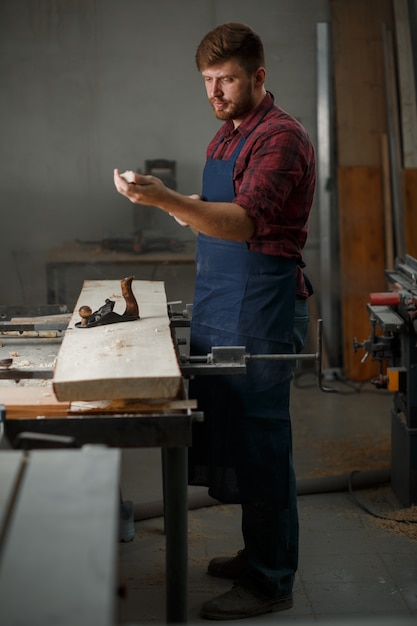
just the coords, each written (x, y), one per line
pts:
(242, 298)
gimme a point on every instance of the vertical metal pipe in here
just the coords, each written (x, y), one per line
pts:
(394, 141)
(329, 260)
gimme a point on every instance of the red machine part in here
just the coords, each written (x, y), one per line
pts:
(390, 298)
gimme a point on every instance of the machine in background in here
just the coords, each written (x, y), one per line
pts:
(148, 219)
(152, 229)
(393, 343)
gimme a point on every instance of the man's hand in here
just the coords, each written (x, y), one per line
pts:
(140, 189)
(225, 220)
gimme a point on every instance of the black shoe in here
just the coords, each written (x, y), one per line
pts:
(241, 602)
(228, 567)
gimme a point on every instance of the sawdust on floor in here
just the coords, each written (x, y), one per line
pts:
(385, 513)
(337, 458)
(406, 527)
(363, 453)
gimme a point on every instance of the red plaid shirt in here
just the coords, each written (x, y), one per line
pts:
(274, 179)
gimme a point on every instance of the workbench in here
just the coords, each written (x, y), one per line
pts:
(173, 434)
(91, 261)
(114, 362)
(59, 513)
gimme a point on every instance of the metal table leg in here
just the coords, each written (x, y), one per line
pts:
(176, 512)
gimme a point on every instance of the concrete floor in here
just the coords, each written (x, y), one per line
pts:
(353, 566)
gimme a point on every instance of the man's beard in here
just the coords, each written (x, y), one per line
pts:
(235, 110)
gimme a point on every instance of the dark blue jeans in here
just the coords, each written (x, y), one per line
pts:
(301, 321)
(270, 529)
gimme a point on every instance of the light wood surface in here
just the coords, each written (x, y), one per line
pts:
(127, 360)
(40, 402)
(32, 402)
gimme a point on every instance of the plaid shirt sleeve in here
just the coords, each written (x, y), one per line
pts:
(274, 183)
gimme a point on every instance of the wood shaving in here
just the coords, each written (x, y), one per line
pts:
(400, 528)
(362, 453)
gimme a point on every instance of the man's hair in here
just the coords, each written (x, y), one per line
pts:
(231, 41)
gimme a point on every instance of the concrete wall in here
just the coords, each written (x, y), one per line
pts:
(89, 85)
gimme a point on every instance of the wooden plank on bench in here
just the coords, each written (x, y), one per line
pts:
(126, 360)
(58, 563)
(30, 401)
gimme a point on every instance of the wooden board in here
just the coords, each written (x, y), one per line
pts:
(41, 403)
(61, 319)
(131, 407)
(32, 402)
(359, 78)
(129, 360)
(362, 259)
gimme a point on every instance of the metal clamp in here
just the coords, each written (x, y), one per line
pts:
(233, 359)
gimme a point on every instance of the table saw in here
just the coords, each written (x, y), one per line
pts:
(393, 344)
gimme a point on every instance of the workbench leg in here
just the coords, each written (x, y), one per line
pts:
(176, 514)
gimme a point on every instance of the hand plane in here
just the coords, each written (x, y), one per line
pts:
(105, 314)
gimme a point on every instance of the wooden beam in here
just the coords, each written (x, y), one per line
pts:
(362, 259)
(129, 360)
(359, 78)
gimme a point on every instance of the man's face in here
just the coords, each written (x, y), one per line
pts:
(231, 92)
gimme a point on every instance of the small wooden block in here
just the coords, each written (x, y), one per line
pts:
(132, 407)
(22, 402)
(126, 360)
